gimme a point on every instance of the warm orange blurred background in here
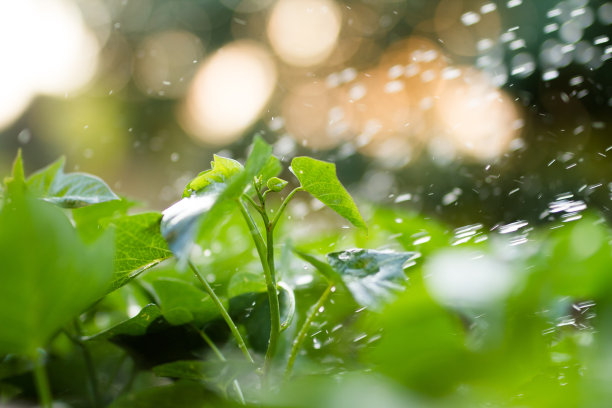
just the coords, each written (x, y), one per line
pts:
(142, 92)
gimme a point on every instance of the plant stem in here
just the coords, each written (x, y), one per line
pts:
(253, 203)
(224, 313)
(221, 357)
(304, 329)
(266, 256)
(91, 370)
(273, 299)
(255, 233)
(42, 382)
(283, 205)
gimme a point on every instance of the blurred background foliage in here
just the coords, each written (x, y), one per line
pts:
(471, 110)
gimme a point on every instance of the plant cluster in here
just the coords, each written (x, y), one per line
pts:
(245, 311)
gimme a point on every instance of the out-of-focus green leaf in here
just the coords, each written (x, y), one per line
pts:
(576, 259)
(49, 276)
(212, 371)
(151, 340)
(91, 221)
(186, 220)
(136, 326)
(15, 184)
(246, 282)
(253, 311)
(180, 394)
(183, 303)
(320, 180)
(12, 365)
(422, 347)
(70, 190)
(139, 246)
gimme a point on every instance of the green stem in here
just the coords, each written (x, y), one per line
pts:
(258, 207)
(283, 205)
(42, 382)
(297, 344)
(273, 299)
(224, 313)
(221, 357)
(257, 238)
(266, 256)
(91, 370)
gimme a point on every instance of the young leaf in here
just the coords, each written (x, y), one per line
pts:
(371, 276)
(184, 221)
(221, 170)
(16, 182)
(319, 179)
(183, 303)
(49, 276)
(71, 190)
(139, 246)
(276, 184)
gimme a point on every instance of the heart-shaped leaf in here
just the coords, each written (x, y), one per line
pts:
(48, 276)
(320, 180)
(183, 222)
(69, 190)
(370, 276)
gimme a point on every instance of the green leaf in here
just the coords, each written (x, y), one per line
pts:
(246, 282)
(253, 310)
(212, 371)
(12, 365)
(69, 190)
(139, 246)
(186, 220)
(221, 170)
(91, 221)
(319, 265)
(49, 276)
(319, 179)
(183, 303)
(180, 394)
(16, 182)
(371, 276)
(276, 184)
(136, 326)
(287, 305)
